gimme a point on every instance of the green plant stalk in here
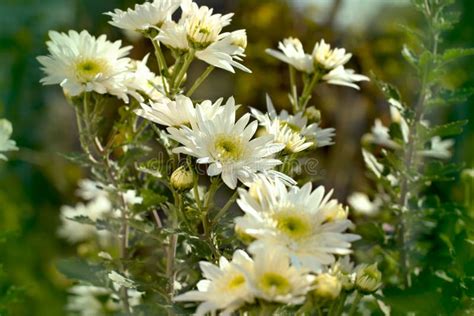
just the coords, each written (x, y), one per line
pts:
(355, 304)
(171, 250)
(409, 160)
(226, 207)
(200, 80)
(176, 84)
(307, 91)
(293, 88)
(160, 58)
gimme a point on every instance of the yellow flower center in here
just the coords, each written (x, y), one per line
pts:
(274, 283)
(88, 69)
(228, 148)
(292, 224)
(236, 282)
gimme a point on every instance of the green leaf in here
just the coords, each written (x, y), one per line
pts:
(452, 54)
(390, 91)
(450, 129)
(81, 270)
(447, 97)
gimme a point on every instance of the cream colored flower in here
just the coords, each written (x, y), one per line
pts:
(6, 144)
(329, 58)
(225, 287)
(292, 52)
(80, 62)
(304, 224)
(144, 16)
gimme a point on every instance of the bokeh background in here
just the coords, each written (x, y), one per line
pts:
(38, 180)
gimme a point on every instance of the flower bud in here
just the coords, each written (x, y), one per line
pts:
(182, 179)
(368, 278)
(467, 175)
(313, 114)
(327, 286)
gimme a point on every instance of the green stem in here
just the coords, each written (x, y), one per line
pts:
(307, 91)
(200, 80)
(160, 58)
(355, 304)
(176, 84)
(293, 88)
(226, 207)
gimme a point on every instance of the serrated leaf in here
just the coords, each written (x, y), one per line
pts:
(447, 97)
(452, 54)
(390, 91)
(450, 129)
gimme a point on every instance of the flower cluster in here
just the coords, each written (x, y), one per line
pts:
(6, 144)
(296, 235)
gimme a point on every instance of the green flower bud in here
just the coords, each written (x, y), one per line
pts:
(313, 114)
(182, 179)
(467, 175)
(368, 278)
(327, 286)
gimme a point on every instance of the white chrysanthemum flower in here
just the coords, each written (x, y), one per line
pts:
(178, 112)
(174, 36)
(440, 149)
(293, 53)
(142, 79)
(361, 204)
(225, 288)
(304, 224)
(80, 62)
(6, 144)
(131, 198)
(330, 58)
(292, 130)
(380, 135)
(202, 26)
(344, 77)
(226, 52)
(73, 231)
(144, 16)
(275, 280)
(227, 146)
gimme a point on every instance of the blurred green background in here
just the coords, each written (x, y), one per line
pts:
(37, 180)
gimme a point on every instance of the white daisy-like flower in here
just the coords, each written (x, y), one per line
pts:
(275, 280)
(293, 130)
(361, 204)
(202, 26)
(304, 224)
(227, 146)
(224, 288)
(344, 77)
(227, 52)
(440, 149)
(6, 144)
(142, 79)
(80, 62)
(144, 16)
(329, 58)
(178, 112)
(98, 208)
(292, 52)
(174, 36)
(131, 198)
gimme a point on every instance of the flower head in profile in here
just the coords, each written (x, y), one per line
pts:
(304, 224)
(142, 82)
(6, 144)
(80, 62)
(177, 112)
(203, 27)
(293, 130)
(227, 145)
(224, 288)
(199, 29)
(274, 279)
(329, 58)
(144, 16)
(344, 77)
(292, 52)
